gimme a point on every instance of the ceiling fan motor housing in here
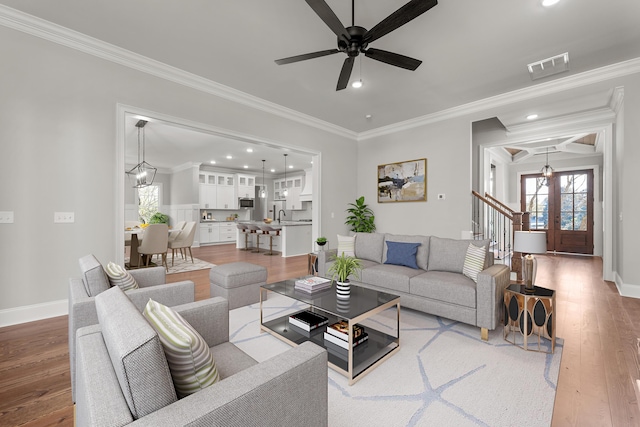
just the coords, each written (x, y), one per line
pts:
(355, 46)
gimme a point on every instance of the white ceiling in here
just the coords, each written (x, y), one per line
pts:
(470, 49)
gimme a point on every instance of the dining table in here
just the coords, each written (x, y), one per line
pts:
(134, 256)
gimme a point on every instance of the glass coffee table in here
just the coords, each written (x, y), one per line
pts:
(378, 313)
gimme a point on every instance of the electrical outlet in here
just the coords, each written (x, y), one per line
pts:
(441, 196)
(6, 217)
(63, 217)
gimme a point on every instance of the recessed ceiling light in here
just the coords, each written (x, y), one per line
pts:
(245, 166)
(290, 166)
(532, 116)
(213, 162)
(368, 116)
(229, 157)
(249, 150)
(549, 3)
(273, 170)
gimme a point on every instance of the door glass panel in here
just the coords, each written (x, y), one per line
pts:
(573, 199)
(580, 183)
(537, 199)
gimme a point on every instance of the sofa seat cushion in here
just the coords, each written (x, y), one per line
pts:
(422, 256)
(449, 254)
(445, 286)
(370, 246)
(230, 359)
(391, 277)
(136, 354)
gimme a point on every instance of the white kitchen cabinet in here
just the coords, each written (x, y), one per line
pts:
(246, 186)
(226, 196)
(294, 186)
(207, 190)
(227, 232)
(209, 233)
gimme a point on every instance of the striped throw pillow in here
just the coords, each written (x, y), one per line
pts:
(346, 245)
(474, 261)
(190, 360)
(120, 277)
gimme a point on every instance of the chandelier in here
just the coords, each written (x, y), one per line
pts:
(143, 173)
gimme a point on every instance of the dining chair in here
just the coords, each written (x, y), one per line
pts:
(177, 230)
(155, 241)
(184, 241)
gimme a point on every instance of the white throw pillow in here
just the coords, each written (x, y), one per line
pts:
(120, 277)
(474, 261)
(188, 355)
(346, 245)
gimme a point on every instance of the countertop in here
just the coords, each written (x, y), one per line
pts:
(275, 224)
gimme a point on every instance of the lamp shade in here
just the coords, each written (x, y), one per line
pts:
(530, 242)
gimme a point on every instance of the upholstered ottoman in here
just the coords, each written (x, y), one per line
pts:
(237, 282)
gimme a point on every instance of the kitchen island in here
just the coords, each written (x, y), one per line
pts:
(294, 239)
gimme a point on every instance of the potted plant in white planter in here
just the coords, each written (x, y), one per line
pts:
(344, 266)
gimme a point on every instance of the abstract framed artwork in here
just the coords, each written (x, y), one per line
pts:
(403, 181)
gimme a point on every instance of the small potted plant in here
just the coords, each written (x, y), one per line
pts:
(321, 241)
(344, 266)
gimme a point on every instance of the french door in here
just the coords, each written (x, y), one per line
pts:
(563, 207)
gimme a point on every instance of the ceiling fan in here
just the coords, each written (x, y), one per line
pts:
(353, 40)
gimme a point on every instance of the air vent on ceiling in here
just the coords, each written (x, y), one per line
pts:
(548, 67)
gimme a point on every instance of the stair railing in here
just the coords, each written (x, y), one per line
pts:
(493, 220)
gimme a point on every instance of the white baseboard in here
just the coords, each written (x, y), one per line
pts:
(625, 289)
(30, 313)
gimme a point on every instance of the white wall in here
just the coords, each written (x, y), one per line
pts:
(447, 146)
(58, 121)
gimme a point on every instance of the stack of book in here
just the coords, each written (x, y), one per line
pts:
(338, 334)
(312, 284)
(307, 320)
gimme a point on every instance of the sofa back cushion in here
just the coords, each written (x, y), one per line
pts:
(449, 254)
(422, 256)
(93, 276)
(370, 246)
(136, 354)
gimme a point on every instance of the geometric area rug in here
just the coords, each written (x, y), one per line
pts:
(443, 375)
(181, 265)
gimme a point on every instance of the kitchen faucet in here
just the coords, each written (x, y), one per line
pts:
(285, 214)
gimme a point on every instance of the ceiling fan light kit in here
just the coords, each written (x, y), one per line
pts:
(354, 40)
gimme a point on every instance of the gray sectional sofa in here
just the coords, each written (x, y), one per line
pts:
(437, 286)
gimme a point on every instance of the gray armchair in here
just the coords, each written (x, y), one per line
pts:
(82, 292)
(123, 377)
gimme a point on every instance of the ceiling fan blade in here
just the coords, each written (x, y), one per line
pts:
(322, 9)
(393, 59)
(345, 74)
(406, 13)
(306, 56)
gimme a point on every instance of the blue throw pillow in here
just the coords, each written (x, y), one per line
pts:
(401, 253)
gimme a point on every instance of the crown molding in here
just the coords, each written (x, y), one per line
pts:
(185, 166)
(597, 75)
(29, 24)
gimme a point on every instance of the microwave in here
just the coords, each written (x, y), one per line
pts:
(245, 203)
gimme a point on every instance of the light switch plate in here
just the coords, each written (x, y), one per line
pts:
(63, 217)
(6, 217)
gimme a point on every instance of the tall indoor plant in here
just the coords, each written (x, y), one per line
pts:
(360, 218)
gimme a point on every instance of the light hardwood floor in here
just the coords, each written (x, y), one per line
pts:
(597, 374)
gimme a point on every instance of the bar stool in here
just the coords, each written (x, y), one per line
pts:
(254, 229)
(244, 230)
(267, 230)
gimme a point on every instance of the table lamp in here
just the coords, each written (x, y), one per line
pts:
(529, 243)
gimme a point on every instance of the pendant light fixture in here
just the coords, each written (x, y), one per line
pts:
(143, 173)
(285, 191)
(263, 191)
(547, 171)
